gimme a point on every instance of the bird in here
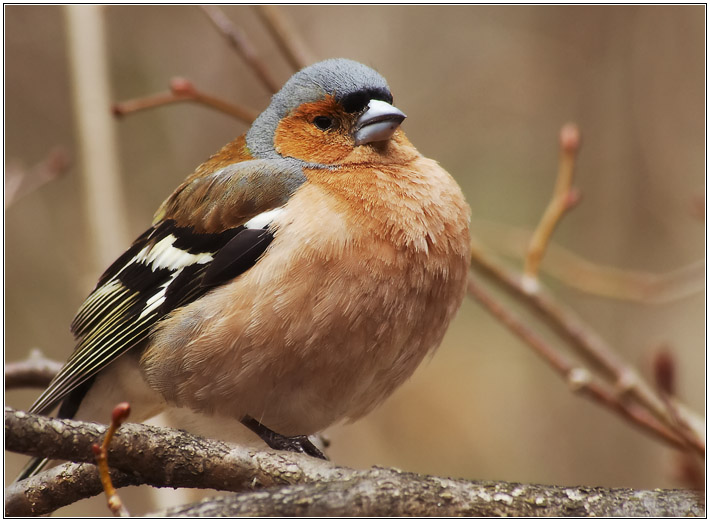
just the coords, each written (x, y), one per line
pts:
(292, 282)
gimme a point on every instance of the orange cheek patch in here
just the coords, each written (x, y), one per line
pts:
(297, 136)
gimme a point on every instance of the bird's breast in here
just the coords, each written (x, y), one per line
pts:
(359, 284)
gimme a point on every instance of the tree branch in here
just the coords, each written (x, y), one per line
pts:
(34, 372)
(19, 181)
(241, 43)
(298, 484)
(288, 40)
(58, 487)
(587, 343)
(578, 378)
(392, 493)
(563, 199)
(182, 89)
(592, 278)
(161, 456)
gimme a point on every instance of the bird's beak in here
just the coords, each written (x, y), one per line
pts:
(378, 122)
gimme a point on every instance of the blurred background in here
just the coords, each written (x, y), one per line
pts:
(486, 90)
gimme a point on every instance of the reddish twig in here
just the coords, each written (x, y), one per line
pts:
(564, 198)
(182, 90)
(689, 471)
(664, 369)
(20, 182)
(697, 208)
(286, 38)
(118, 417)
(239, 40)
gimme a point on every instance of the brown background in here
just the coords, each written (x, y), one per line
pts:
(486, 90)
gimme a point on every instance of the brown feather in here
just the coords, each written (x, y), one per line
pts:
(367, 269)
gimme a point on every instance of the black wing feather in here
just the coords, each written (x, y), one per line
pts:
(165, 268)
(237, 256)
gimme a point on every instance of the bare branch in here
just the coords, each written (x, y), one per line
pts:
(390, 493)
(239, 40)
(286, 37)
(182, 90)
(162, 456)
(579, 379)
(34, 372)
(58, 487)
(177, 459)
(564, 197)
(588, 343)
(20, 182)
(592, 278)
(664, 369)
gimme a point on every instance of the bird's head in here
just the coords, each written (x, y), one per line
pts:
(331, 112)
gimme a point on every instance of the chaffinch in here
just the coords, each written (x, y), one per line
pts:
(296, 278)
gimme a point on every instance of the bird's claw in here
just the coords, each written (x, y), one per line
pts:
(296, 444)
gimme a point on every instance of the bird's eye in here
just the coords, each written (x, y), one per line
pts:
(323, 122)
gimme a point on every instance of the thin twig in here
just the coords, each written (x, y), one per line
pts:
(239, 40)
(578, 378)
(592, 278)
(564, 197)
(286, 37)
(584, 339)
(689, 470)
(182, 90)
(118, 417)
(20, 182)
(664, 370)
(183, 87)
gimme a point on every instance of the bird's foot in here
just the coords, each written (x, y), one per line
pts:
(297, 443)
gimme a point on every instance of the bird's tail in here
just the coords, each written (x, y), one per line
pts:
(33, 467)
(67, 410)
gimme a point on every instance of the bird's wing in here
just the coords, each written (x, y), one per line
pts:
(176, 261)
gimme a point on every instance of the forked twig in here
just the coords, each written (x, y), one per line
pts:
(578, 378)
(629, 385)
(183, 90)
(584, 339)
(564, 198)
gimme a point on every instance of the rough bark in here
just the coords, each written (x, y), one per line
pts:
(389, 493)
(289, 483)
